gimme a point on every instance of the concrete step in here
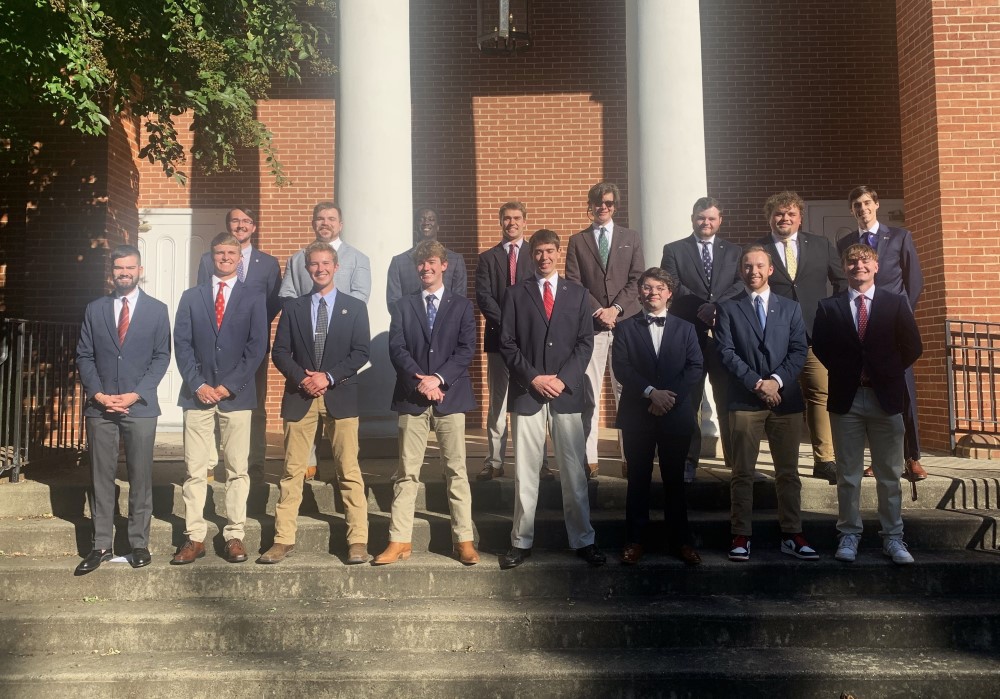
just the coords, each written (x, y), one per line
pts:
(307, 625)
(576, 674)
(548, 574)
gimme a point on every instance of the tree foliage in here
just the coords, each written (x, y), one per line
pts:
(83, 63)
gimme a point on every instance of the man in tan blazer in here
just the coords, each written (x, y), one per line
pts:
(607, 260)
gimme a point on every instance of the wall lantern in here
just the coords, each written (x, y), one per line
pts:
(503, 26)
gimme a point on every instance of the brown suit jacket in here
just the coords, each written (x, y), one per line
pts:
(619, 283)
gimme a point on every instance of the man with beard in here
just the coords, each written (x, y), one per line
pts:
(123, 353)
(403, 280)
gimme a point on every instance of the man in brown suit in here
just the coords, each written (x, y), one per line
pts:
(607, 261)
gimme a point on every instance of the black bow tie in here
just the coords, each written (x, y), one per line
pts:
(659, 320)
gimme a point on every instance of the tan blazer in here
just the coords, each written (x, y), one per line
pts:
(619, 283)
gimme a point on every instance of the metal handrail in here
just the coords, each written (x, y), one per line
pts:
(973, 360)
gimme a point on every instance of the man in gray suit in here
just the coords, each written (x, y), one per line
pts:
(605, 259)
(403, 279)
(354, 275)
(123, 353)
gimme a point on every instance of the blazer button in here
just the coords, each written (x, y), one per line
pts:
(432, 351)
(550, 344)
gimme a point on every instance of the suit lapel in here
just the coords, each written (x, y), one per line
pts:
(420, 309)
(746, 306)
(500, 257)
(591, 244)
(206, 297)
(444, 308)
(112, 322)
(776, 259)
(536, 297)
(847, 317)
(695, 254)
(303, 325)
(235, 298)
(645, 339)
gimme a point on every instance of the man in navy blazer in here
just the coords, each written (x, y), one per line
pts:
(762, 340)
(123, 353)
(707, 269)
(867, 337)
(898, 272)
(803, 264)
(502, 266)
(546, 338)
(322, 341)
(657, 359)
(403, 280)
(220, 337)
(432, 339)
(261, 273)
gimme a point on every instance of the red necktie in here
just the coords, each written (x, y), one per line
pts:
(548, 301)
(220, 305)
(862, 317)
(512, 263)
(123, 320)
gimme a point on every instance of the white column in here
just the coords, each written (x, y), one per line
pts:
(666, 122)
(374, 176)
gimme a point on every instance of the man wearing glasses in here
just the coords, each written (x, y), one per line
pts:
(606, 260)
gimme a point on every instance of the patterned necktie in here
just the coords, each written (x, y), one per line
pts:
(862, 316)
(512, 263)
(758, 304)
(220, 305)
(322, 326)
(706, 260)
(605, 247)
(871, 240)
(123, 321)
(791, 261)
(656, 320)
(431, 310)
(548, 300)
(241, 273)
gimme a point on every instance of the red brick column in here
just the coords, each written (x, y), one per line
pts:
(949, 72)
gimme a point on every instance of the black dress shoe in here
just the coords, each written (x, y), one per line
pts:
(827, 470)
(592, 555)
(514, 557)
(93, 561)
(141, 557)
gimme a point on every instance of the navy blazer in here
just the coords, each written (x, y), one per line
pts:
(492, 282)
(892, 343)
(898, 266)
(135, 366)
(531, 345)
(682, 259)
(403, 280)
(818, 262)
(227, 355)
(447, 351)
(346, 351)
(677, 367)
(751, 355)
(263, 276)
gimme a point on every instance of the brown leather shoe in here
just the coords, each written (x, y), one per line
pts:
(466, 553)
(489, 473)
(913, 471)
(277, 553)
(310, 473)
(593, 470)
(395, 551)
(687, 554)
(869, 473)
(188, 552)
(234, 551)
(631, 554)
(357, 553)
(546, 474)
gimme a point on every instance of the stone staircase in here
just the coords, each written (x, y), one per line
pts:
(311, 626)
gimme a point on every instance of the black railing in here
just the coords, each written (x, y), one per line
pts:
(973, 350)
(41, 403)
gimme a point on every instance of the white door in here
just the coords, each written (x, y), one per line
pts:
(172, 242)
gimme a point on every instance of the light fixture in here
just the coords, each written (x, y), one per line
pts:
(503, 26)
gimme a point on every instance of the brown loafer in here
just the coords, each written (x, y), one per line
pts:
(395, 551)
(489, 473)
(546, 474)
(357, 553)
(466, 553)
(687, 554)
(631, 554)
(277, 553)
(310, 473)
(234, 551)
(593, 470)
(913, 471)
(188, 552)
(869, 473)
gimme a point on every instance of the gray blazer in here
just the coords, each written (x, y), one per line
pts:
(354, 275)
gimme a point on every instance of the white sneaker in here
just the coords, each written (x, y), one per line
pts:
(847, 549)
(896, 550)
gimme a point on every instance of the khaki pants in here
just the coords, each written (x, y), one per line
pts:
(200, 456)
(413, 431)
(747, 427)
(815, 386)
(299, 439)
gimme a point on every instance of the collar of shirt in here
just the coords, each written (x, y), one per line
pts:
(780, 242)
(699, 240)
(515, 243)
(609, 227)
(133, 298)
(246, 253)
(230, 283)
(661, 314)
(438, 295)
(553, 279)
(765, 296)
(853, 294)
(336, 243)
(873, 229)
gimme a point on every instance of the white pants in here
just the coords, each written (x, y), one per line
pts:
(599, 360)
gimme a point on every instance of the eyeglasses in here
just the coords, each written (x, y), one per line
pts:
(243, 221)
(606, 203)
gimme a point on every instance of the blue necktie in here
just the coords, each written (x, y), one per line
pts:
(431, 311)
(871, 240)
(761, 316)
